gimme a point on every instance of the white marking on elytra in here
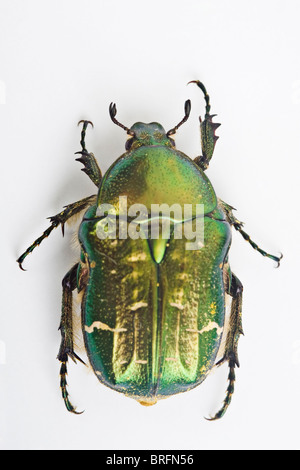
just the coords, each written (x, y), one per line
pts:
(134, 275)
(179, 306)
(212, 325)
(138, 305)
(102, 326)
(182, 276)
(137, 257)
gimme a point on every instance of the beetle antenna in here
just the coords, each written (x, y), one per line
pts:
(84, 127)
(112, 113)
(206, 96)
(187, 110)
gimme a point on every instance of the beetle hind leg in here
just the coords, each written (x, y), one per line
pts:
(229, 393)
(64, 391)
(66, 350)
(235, 290)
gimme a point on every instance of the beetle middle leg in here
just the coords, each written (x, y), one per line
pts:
(235, 290)
(228, 210)
(59, 219)
(66, 349)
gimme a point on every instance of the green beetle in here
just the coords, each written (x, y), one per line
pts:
(153, 311)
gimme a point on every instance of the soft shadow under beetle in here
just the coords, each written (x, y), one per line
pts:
(153, 311)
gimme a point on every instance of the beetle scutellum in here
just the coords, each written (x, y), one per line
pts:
(153, 312)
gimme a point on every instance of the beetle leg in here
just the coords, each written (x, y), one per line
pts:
(207, 131)
(66, 349)
(234, 331)
(238, 226)
(56, 220)
(88, 159)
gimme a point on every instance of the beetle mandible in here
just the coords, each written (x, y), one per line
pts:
(153, 312)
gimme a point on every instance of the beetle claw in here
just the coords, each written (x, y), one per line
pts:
(63, 386)
(279, 259)
(20, 265)
(211, 418)
(85, 123)
(77, 412)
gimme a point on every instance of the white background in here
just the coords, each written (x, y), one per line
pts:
(62, 61)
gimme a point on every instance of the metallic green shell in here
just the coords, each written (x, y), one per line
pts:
(156, 175)
(152, 328)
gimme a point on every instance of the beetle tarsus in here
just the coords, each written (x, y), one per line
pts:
(229, 393)
(37, 242)
(85, 123)
(91, 167)
(256, 247)
(66, 349)
(235, 290)
(56, 220)
(64, 391)
(20, 265)
(278, 260)
(84, 127)
(232, 220)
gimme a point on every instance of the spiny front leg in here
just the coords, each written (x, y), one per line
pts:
(66, 349)
(88, 159)
(56, 220)
(207, 130)
(238, 226)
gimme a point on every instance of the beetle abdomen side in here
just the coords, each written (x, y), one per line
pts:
(153, 329)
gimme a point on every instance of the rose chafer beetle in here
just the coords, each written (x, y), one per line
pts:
(153, 312)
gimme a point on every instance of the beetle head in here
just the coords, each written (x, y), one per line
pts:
(149, 134)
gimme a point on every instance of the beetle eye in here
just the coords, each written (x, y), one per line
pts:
(129, 143)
